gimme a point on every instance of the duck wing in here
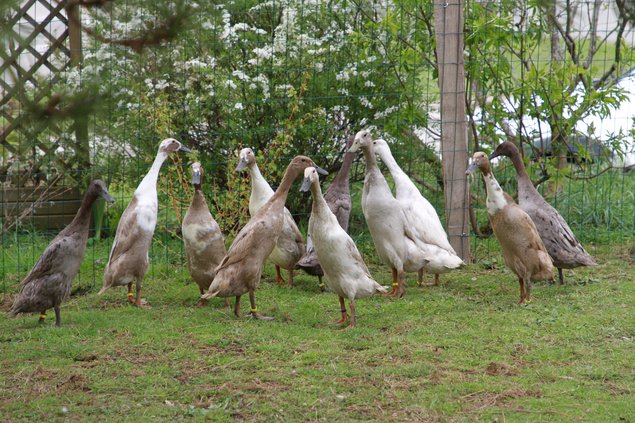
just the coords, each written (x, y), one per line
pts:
(45, 263)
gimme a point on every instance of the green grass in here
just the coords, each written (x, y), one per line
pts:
(462, 352)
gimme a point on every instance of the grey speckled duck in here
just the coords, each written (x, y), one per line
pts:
(523, 250)
(49, 282)
(240, 270)
(562, 245)
(338, 198)
(202, 237)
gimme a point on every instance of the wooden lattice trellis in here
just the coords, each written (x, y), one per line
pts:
(29, 136)
(19, 121)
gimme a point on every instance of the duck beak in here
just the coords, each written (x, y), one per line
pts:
(354, 147)
(306, 185)
(471, 168)
(241, 165)
(320, 170)
(196, 178)
(106, 196)
(184, 149)
(493, 155)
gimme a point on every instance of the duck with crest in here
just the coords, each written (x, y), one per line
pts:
(338, 199)
(562, 245)
(523, 250)
(240, 271)
(129, 259)
(346, 272)
(48, 284)
(202, 238)
(395, 241)
(290, 246)
(422, 218)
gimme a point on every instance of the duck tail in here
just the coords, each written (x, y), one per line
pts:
(380, 288)
(209, 295)
(103, 289)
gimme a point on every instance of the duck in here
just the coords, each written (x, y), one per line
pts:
(422, 218)
(128, 260)
(562, 245)
(346, 273)
(523, 250)
(202, 238)
(290, 246)
(240, 270)
(338, 198)
(395, 241)
(48, 284)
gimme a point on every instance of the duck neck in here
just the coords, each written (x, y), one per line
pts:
(149, 181)
(258, 182)
(82, 218)
(495, 197)
(319, 203)
(371, 160)
(342, 176)
(290, 175)
(521, 171)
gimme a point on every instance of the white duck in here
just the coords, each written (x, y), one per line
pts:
(345, 270)
(394, 240)
(290, 245)
(422, 218)
(128, 259)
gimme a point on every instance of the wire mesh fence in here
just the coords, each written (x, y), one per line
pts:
(298, 77)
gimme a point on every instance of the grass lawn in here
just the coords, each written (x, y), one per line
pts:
(461, 352)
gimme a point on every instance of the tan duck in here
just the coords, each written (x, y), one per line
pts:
(523, 250)
(128, 259)
(562, 245)
(290, 246)
(338, 199)
(202, 238)
(346, 272)
(48, 284)
(239, 272)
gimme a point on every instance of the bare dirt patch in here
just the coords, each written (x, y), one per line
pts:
(500, 369)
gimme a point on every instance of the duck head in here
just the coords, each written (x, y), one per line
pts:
(170, 145)
(197, 173)
(247, 159)
(300, 163)
(480, 161)
(381, 146)
(97, 188)
(362, 139)
(506, 148)
(311, 176)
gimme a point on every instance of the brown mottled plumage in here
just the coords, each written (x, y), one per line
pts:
(523, 250)
(240, 270)
(202, 237)
(562, 245)
(48, 284)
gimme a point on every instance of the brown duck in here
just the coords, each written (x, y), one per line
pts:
(48, 284)
(562, 245)
(523, 250)
(202, 237)
(338, 199)
(239, 272)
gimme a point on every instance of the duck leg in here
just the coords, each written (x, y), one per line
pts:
(560, 276)
(395, 283)
(254, 309)
(401, 286)
(42, 316)
(202, 302)
(58, 320)
(130, 294)
(343, 310)
(279, 279)
(139, 302)
(353, 314)
(237, 306)
(524, 291)
(226, 302)
(290, 283)
(528, 289)
(420, 275)
(321, 284)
